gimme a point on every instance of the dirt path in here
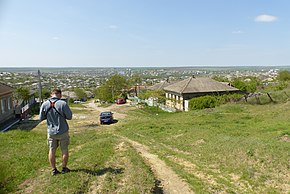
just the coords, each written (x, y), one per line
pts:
(170, 181)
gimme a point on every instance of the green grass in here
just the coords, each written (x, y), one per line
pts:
(24, 165)
(238, 139)
(234, 148)
(22, 154)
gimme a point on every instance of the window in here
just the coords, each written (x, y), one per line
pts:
(9, 103)
(2, 106)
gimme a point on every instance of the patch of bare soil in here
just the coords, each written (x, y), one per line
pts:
(119, 110)
(32, 184)
(285, 138)
(170, 181)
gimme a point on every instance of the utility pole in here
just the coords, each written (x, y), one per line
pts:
(40, 88)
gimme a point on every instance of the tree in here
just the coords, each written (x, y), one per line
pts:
(134, 81)
(159, 95)
(80, 93)
(283, 75)
(220, 78)
(45, 94)
(22, 94)
(113, 88)
(104, 93)
(246, 86)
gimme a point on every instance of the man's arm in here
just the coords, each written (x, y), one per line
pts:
(67, 112)
(42, 115)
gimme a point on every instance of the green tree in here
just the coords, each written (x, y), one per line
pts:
(220, 78)
(104, 93)
(45, 94)
(134, 81)
(80, 93)
(22, 94)
(113, 88)
(246, 86)
(158, 94)
(283, 75)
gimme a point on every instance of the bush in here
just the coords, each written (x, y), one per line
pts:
(250, 86)
(230, 98)
(283, 76)
(35, 109)
(203, 102)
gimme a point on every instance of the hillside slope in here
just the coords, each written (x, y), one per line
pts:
(236, 148)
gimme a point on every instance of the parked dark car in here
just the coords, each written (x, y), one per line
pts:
(106, 117)
(121, 101)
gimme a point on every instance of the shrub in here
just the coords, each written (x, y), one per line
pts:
(203, 102)
(283, 76)
(230, 98)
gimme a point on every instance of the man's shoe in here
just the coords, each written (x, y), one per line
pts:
(65, 170)
(55, 172)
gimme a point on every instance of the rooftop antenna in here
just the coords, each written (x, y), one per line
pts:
(40, 88)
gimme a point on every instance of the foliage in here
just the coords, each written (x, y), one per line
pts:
(22, 94)
(235, 97)
(135, 80)
(281, 85)
(220, 78)
(45, 94)
(80, 93)
(112, 89)
(203, 102)
(104, 93)
(155, 94)
(283, 75)
(246, 86)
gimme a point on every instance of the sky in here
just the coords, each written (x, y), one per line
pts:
(144, 33)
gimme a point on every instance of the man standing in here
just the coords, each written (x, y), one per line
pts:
(56, 112)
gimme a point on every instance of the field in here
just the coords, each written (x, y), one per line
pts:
(234, 148)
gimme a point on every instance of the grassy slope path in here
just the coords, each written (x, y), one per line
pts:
(170, 181)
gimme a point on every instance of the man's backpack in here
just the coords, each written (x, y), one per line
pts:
(53, 107)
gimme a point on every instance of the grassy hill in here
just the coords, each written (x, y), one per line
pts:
(235, 148)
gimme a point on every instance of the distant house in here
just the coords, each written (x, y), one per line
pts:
(161, 85)
(23, 108)
(179, 94)
(6, 103)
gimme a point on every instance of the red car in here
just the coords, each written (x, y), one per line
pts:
(120, 101)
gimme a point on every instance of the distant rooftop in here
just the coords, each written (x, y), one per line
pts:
(199, 85)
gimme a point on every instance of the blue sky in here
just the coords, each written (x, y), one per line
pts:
(121, 33)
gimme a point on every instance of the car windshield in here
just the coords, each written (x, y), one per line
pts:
(106, 114)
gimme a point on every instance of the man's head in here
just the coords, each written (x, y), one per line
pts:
(56, 93)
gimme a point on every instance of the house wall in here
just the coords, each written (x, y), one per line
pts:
(177, 100)
(6, 107)
(174, 101)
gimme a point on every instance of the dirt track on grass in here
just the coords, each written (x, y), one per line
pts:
(170, 181)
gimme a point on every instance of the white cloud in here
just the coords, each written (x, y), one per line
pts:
(113, 27)
(237, 32)
(55, 38)
(266, 18)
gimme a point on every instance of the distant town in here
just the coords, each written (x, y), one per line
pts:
(69, 78)
(171, 89)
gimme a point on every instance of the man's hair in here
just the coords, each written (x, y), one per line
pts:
(56, 91)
